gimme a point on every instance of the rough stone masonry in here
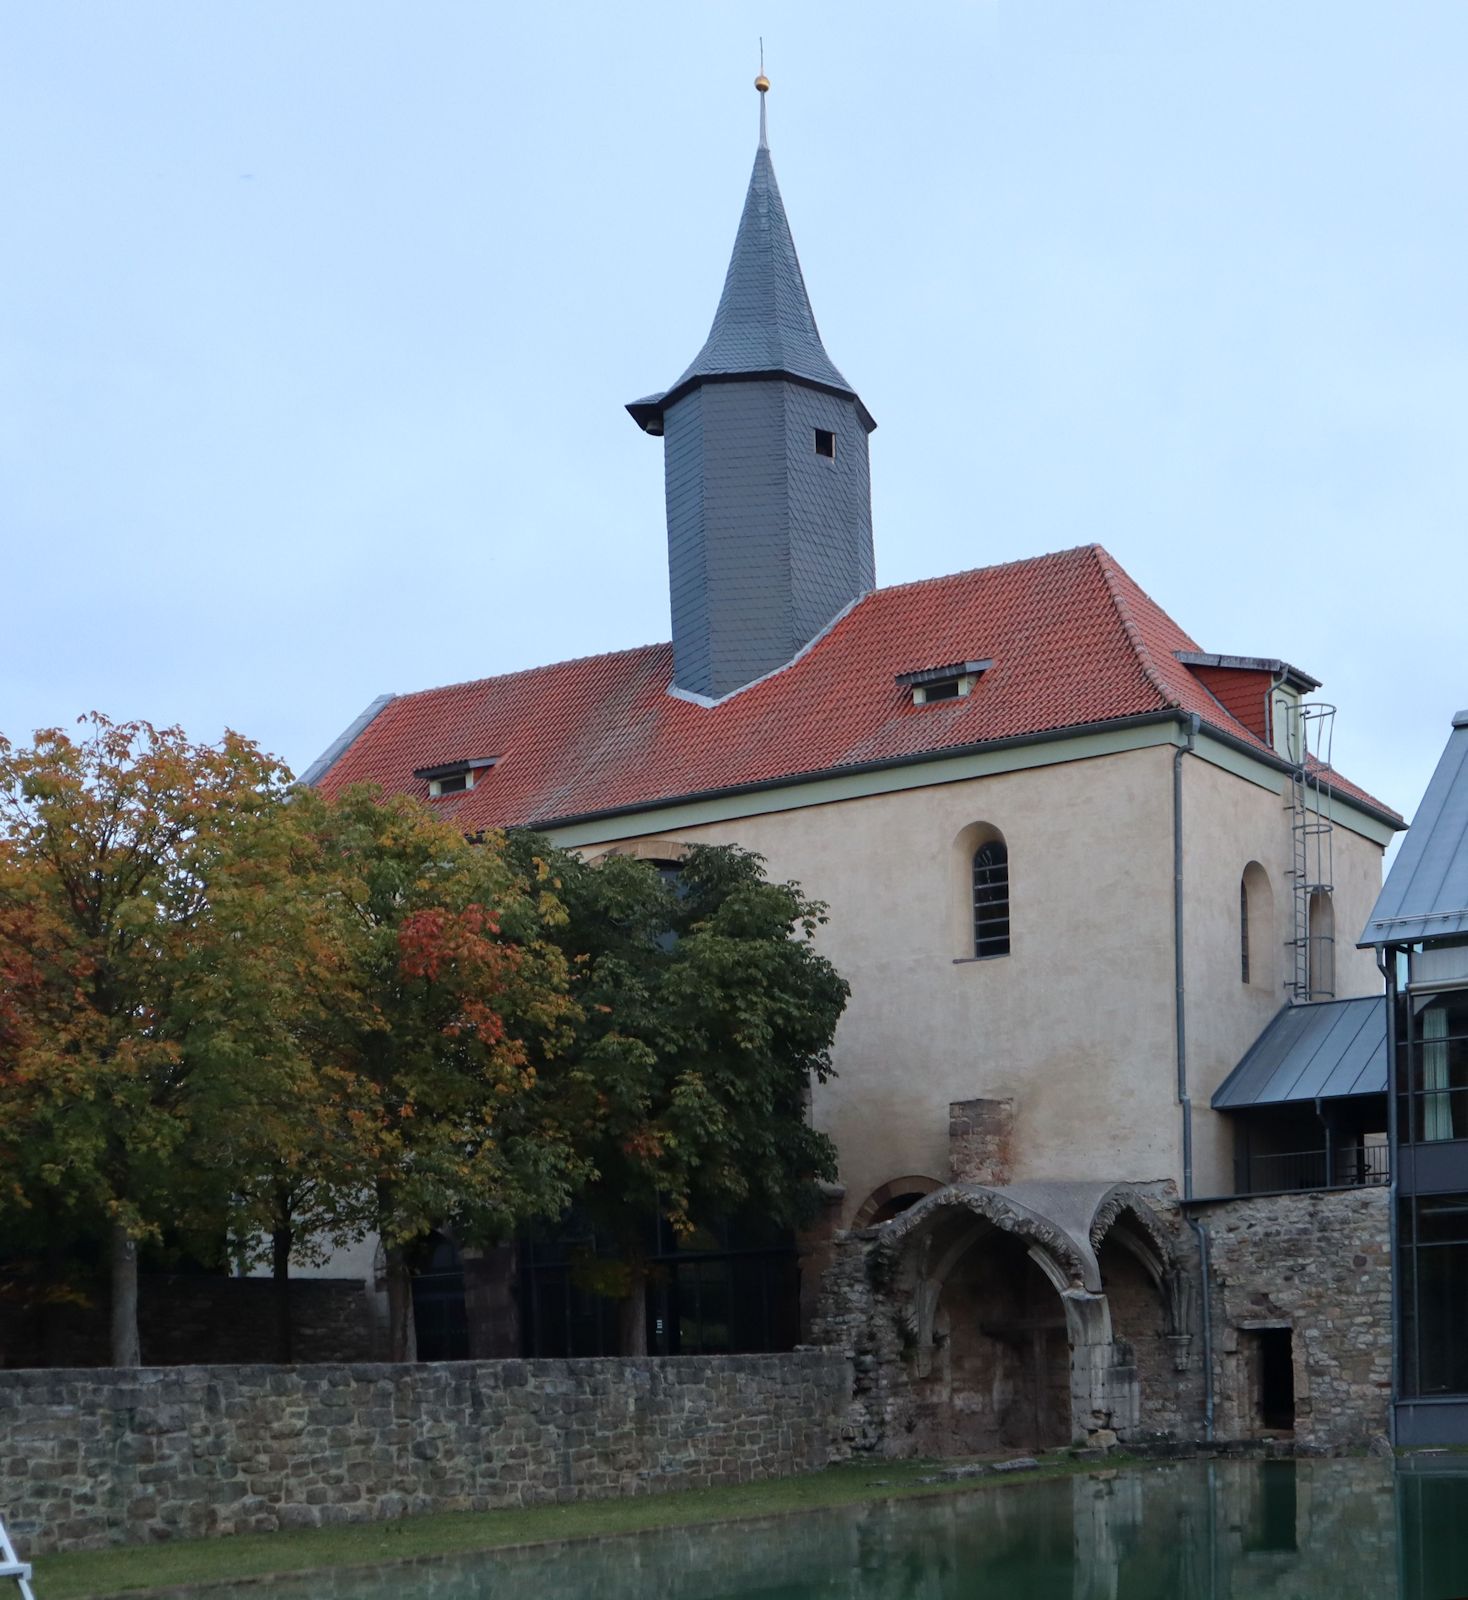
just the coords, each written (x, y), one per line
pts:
(90, 1458)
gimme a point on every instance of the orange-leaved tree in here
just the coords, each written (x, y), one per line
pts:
(463, 1109)
(140, 937)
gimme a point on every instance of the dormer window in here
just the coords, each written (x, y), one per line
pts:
(454, 777)
(954, 682)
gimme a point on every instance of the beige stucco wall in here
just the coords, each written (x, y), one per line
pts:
(1076, 1024)
(1227, 823)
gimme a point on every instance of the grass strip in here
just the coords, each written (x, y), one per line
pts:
(138, 1569)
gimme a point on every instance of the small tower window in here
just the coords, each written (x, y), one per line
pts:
(826, 443)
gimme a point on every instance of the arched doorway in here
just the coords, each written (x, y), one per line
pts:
(1150, 1305)
(991, 1364)
(1002, 1373)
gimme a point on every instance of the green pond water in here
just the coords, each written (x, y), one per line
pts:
(1184, 1531)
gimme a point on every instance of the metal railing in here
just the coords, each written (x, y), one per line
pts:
(1282, 1171)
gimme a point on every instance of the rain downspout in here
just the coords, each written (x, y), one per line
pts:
(1389, 1000)
(1180, 1011)
(1184, 1100)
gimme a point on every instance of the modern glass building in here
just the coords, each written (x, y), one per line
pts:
(1420, 930)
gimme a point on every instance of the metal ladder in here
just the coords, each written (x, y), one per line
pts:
(11, 1566)
(1309, 728)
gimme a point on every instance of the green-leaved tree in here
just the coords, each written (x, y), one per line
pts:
(705, 1014)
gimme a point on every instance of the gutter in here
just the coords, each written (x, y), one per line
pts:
(1184, 1099)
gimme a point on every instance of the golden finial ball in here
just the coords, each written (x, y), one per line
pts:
(762, 83)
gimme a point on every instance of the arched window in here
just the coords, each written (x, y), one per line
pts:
(1322, 946)
(1257, 949)
(991, 898)
(1243, 930)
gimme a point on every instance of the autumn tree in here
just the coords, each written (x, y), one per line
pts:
(139, 929)
(705, 1014)
(453, 1030)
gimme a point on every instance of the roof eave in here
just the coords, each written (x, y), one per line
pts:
(1070, 730)
(888, 764)
(648, 412)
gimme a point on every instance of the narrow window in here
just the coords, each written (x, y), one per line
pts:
(1256, 929)
(991, 899)
(826, 443)
(1243, 930)
(1321, 928)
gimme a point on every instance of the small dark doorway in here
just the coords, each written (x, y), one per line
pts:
(1276, 1378)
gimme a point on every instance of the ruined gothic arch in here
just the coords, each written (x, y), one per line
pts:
(1125, 1217)
(994, 1302)
(929, 1240)
(1036, 1313)
(885, 1202)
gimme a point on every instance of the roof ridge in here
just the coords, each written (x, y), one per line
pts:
(995, 566)
(1109, 569)
(544, 666)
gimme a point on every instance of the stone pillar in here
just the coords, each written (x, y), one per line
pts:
(1104, 1388)
(980, 1141)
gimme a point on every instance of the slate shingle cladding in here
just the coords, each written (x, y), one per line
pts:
(768, 540)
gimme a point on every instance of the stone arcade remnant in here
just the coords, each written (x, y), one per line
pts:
(1036, 1314)
(1041, 1314)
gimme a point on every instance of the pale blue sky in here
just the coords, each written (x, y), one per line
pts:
(317, 321)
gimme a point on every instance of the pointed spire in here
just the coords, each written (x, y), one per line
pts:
(764, 323)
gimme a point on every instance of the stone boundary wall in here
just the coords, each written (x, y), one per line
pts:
(1319, 1264)
(90, 1457)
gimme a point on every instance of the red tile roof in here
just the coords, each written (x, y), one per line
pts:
(1074, 643)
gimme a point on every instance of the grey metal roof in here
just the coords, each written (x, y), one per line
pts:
(339, 746)
(764, 323)
(1322, 1051)
(1425, 895)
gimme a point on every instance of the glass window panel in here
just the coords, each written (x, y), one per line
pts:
(991, 899)
(1442, 1313)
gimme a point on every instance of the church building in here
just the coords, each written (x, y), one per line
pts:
(1084, 877)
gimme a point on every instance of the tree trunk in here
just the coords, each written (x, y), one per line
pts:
(399, 1302)
(126, 1351)
(634, 1313)
(281, 1240)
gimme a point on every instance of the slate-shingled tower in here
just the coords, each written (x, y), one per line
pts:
(765, 459)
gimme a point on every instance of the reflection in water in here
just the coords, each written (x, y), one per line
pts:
(1350, 1530)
